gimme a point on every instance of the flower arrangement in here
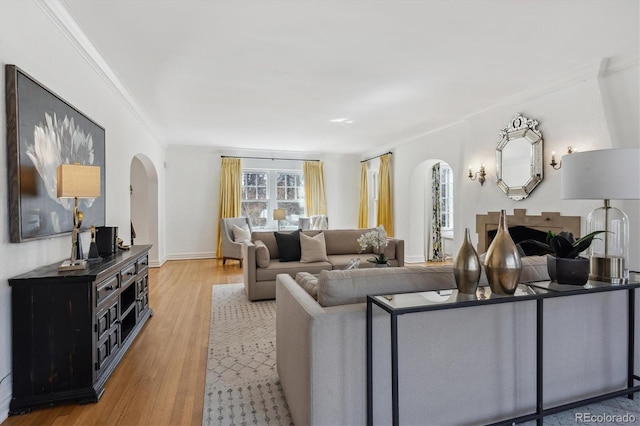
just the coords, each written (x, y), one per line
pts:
(377, 240)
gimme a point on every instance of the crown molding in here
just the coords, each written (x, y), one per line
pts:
(60, 16)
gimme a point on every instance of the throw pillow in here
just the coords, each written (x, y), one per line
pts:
(262, 254)
(313, 249)
(309, 282)
(288, 245)
(241, 234)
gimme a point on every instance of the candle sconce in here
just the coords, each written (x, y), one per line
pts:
(554, 163)
(480, 174)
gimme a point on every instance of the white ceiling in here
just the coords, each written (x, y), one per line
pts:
(272, 74)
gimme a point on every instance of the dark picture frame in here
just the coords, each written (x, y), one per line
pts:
(43, 131)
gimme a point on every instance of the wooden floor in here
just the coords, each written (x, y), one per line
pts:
(160, 380)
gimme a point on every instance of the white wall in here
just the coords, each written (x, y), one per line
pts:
(585, 114)
(193, 178)
(30, 40)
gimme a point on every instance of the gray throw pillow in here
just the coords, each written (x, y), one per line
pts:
(309, 282)
(313, 249)
(262, 254)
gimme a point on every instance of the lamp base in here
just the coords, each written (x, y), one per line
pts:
(608, 269)
(68, 265)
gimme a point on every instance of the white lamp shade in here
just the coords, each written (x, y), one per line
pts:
(607, 174)
(279, 214)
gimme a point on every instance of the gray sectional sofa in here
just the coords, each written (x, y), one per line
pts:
(260, 269)
(472, 365)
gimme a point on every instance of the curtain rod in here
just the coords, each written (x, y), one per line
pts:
(268, 158)
(372, 158)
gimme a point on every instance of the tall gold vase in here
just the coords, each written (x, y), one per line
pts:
(466, 267)
(502, 263)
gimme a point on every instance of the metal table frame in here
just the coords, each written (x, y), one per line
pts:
(542, 293)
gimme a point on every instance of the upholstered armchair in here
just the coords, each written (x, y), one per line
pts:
(316, 223)
(232, 249)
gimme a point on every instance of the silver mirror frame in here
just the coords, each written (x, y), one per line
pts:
(521, 127)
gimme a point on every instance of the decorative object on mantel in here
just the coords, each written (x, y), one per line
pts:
(43, 131)
(466, 267)
(519, 163)
(607, 174)
(377, 240)
(77, 181)
(564, 264)
(502, 263)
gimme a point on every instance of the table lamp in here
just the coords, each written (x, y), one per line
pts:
(279, 214)
(77, 181)
(607, 174)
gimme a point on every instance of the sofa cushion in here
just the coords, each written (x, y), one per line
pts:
(344, 241)
(309, 282)
(241, 234)
(288, 245)
(262, 254)
(340, 287)
(269, 240)
(313, 249)
(292, 268)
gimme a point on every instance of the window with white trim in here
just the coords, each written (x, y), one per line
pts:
(265, 190)
(446, 199)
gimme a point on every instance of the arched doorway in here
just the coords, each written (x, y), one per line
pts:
(144, 204)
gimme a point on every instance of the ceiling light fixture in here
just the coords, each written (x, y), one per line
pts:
(341, 120)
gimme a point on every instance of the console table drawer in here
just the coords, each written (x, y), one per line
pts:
(128, 274)
(106, 288)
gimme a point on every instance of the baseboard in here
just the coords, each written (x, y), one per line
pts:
(190, 256)
(414, 259)
(157, 263)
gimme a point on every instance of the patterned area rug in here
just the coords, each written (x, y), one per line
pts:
(242, 385)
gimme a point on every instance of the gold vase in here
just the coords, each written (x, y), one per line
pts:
(466, 267)
(502, 263)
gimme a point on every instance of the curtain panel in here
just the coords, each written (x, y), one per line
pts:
(437, 252)
(385, 206)
(363, 208)
(230, 194)
(314, 188)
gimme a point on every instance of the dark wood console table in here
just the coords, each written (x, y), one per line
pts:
(72, 328)
(406, 303)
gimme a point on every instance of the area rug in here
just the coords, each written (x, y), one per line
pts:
(242, 385)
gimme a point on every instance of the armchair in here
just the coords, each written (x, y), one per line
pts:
(230, 248)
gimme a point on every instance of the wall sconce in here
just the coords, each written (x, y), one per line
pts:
(554, 163)
(480, 174)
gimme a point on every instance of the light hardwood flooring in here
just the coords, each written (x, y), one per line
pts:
(160, 380)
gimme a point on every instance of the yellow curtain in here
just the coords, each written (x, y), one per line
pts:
(363, 210)
(385, 214)
(230, 193)
(314, 188)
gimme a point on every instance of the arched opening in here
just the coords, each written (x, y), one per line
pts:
(421, 210)
(144, 204)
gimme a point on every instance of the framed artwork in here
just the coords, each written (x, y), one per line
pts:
(44, 131)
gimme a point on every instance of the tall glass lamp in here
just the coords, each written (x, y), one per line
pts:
(608, 174)
(77, 181)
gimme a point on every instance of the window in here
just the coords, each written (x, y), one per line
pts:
(446, 199)
(265, 190)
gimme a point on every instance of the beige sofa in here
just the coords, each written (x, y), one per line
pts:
(341, 247)
(473, 365)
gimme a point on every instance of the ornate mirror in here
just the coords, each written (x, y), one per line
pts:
(519, 157)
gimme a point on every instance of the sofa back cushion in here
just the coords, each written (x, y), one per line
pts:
(340, 287)
(343, 241)
(269, 240)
